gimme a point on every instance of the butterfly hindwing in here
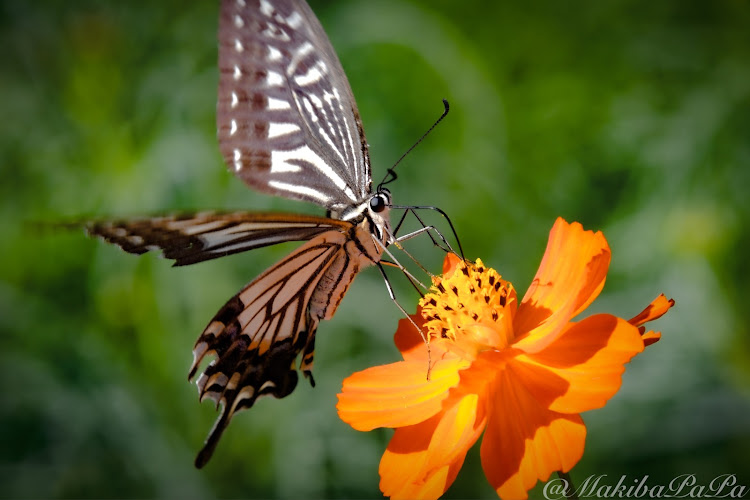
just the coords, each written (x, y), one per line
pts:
(258, 335)
(286, 117)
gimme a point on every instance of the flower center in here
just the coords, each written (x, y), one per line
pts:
(473, 307)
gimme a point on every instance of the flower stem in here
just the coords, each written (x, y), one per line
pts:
(570, 491)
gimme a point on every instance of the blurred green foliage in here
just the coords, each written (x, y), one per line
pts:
(629, 116)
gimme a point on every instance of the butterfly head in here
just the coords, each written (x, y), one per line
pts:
(372, 214)
(380, 201)
(377, 215)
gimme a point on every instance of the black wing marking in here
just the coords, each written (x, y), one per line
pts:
(189, 239)
(257, 336)
(286, 116)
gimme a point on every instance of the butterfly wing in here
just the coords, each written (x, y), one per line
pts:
(257, 336)
(189, 239)
(286, 117)
(287, 125)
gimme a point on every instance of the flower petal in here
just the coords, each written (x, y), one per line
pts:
(588, 357)
(656, 309)
(524, 441)
(651, 337)
(422, 460)
(450, 263)
(397, 394)
(570, 277)
(409, 341)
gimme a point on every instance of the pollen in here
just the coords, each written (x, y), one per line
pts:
(472, 304)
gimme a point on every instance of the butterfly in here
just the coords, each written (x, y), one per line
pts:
(287, 125)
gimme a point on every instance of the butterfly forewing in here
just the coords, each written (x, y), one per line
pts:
(189, 239)
(286, 117)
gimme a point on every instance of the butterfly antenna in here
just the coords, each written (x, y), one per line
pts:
(390, 175)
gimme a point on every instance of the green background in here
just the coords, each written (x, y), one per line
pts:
(631, 117)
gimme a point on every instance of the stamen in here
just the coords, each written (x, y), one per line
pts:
(470, 303)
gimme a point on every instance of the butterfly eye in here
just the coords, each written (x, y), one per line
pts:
(378, 203)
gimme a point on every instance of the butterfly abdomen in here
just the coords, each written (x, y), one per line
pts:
(333, 285)
(357, 251)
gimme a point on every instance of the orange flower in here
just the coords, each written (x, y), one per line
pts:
(520, 373)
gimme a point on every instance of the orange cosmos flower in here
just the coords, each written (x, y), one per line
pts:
(520, 373)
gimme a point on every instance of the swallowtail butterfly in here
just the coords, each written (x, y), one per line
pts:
(287, 125)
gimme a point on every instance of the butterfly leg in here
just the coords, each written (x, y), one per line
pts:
(429, 230)
(392, 295)
(406, 272)
(425, 230)
(397, 243)
(407, 211)
(413, 211)
(401, 221)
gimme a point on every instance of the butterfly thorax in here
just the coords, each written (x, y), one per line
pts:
(362, 247)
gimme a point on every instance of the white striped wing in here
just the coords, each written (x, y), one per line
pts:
(286, 117)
